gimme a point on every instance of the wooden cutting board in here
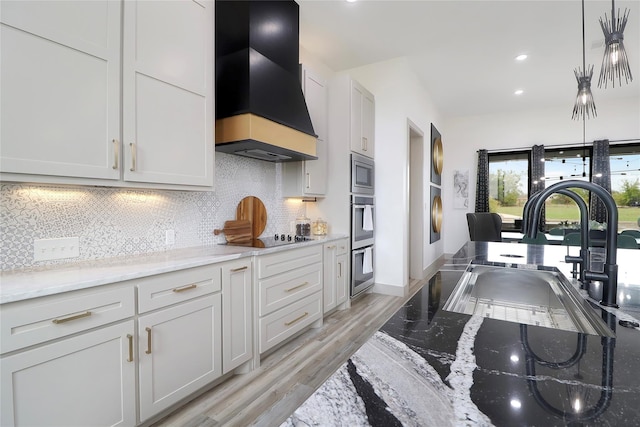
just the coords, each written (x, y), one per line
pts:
(236, 231)
(252, 209)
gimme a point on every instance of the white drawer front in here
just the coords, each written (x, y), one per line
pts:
(282, 289)
(284, 323)
(178, 286)
(271, 264)
(342, 246)
(34, 321)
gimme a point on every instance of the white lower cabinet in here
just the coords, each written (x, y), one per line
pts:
(289, 294)
(237, 318)
(179, 352)
(102, 357)
(336, 274)
(86, 380)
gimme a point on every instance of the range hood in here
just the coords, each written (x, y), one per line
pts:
(260, 108)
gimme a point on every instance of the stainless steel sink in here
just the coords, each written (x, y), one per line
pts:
(529, 294)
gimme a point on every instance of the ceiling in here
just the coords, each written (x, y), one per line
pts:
(464, 51)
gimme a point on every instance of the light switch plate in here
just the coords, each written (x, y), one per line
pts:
(170, 237)
(50, 249)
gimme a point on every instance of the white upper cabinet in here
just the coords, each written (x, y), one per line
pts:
(60, 74)
(309, 177)
(67, 115)
(362, 120)
(168, 92)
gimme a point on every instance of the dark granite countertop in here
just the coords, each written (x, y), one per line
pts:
(511, 374)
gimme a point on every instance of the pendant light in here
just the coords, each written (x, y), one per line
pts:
(615, 63)
(584, 106)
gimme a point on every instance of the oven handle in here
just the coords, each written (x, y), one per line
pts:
(361, 206)
(361, 251)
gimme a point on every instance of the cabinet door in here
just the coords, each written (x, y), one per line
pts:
(368, 124)
(342, 278)
(357, 143)
(60, 107)
(168, 92)
(330, 274)
(315, 171)
(237, 330)
(87, 380)
(362, 120)
(180, 352)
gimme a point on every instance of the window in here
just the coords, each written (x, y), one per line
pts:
(625, 184)
(569, 163)
(508, 185)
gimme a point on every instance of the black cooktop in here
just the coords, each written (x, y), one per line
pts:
(270, 242)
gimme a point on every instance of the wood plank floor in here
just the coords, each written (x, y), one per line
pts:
(287, 377)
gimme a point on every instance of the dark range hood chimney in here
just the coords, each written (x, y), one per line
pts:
(260, 108)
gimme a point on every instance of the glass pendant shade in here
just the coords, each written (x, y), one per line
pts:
(615, 64)
(584, 107)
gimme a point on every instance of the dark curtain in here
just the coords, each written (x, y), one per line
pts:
(535, 183)
(601, 175)
(482, 184)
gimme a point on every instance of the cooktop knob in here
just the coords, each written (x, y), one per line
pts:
(275, 237)
(282, 237)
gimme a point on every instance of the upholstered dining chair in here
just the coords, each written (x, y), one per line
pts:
(484, 226)
(540, 239)
(626, 241)
(572, 239)
(631, 232)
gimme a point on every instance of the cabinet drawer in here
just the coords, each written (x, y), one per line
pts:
(282, 289)
(342, 247)
(178, 286)
(284, 323)
(271, 264)
(31, 322)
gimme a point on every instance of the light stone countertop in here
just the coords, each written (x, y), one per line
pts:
(17, 285)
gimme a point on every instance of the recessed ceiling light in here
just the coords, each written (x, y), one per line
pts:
(518, 92)
(521, 57)
(351, 1)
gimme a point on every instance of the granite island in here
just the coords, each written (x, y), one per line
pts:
(427, 366)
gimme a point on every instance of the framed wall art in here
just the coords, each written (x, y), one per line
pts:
(460, 189)
(437, 159)
(436, 215)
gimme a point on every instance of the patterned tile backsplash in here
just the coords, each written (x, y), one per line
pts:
(114, 222)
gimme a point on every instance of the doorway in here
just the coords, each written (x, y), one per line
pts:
(416, 203)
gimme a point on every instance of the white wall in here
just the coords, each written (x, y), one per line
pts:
(463, 136)
(399, 96)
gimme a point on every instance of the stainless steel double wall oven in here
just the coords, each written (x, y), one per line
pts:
(362, 223)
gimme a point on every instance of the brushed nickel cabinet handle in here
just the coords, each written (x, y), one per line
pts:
(339, 270)
(116, 153)
(73, 317)
(185, 288)
(296, 287)
(308, 180)
(364, 143)
(148, 351)
(233, 270)
(296, 319)
(132, 146)
(331, 247)
(130, 338)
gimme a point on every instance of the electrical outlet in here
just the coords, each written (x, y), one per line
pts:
(169, 237)
(48, 249)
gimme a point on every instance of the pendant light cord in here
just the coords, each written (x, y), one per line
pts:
(584, 67)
